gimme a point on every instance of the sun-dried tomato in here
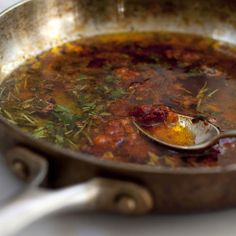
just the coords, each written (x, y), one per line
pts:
(149, 115)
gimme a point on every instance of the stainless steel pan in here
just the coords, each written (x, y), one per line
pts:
(62, 179)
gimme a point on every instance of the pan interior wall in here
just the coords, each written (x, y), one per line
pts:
(36, 26)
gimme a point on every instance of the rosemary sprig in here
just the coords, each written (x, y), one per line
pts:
(213, 92)
(81, 129)
(88, 138)
(201, 95)
(204, 95)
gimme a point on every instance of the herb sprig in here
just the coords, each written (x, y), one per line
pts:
(203, 95)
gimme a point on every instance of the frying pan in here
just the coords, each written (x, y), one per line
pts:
(60, 179)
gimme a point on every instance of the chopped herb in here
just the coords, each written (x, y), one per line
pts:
(2, 90)
(8, 114)
(72, 144)
(40, 132)
(105, 114)
(82, 77)
(28, 118)
(81, 129)
(64, 115)
(194, 74)
(89, 106)
(60, 108)
(153, 158)
(59, 139)
(117, 93)
(103, 89)
(111, 79)
(202, 95)
(88, 138)
(212, 93)
(185, 90)
(49, 125)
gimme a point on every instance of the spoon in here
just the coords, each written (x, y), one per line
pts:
(205, 134)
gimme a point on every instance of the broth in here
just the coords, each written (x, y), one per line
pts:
(80, 95)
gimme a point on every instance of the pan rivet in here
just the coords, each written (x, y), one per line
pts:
(20, 169)
(126, 204)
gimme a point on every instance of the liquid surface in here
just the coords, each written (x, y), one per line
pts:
(173, 134)
(80, 95)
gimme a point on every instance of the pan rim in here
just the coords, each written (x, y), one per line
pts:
(12, 7)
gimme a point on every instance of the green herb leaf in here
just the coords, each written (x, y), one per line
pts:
(64, 115)
(40, 132)
(89, 106)
(82, 77)
(117, 93)
(60, 108)
(111, 79)
(59, 139)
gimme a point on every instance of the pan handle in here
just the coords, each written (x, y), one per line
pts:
(97, 194)
(35, 203)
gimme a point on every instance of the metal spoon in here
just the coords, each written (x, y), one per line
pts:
(205, 133)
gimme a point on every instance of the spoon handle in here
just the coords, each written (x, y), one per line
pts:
(214, 140)
(228, 134)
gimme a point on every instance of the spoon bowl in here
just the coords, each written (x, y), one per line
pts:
(205, 133)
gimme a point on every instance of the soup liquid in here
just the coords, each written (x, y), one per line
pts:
(80, 95)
